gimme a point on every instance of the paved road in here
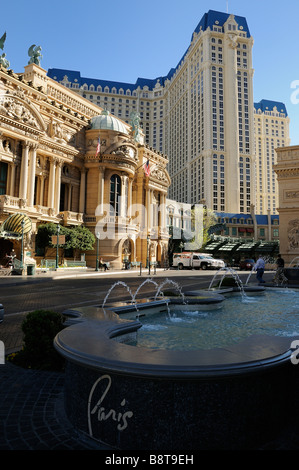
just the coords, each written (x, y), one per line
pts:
(60, 291)
(63, 291)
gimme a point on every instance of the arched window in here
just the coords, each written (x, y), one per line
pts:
(115, 193)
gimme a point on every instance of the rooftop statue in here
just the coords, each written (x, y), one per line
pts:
(135, 120)
(3, 61)
(34, 53)
(2, 41)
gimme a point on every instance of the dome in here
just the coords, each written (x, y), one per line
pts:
(108, 122)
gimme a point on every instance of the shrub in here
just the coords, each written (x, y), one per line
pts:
(40, 328)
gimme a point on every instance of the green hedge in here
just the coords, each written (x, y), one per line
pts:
(40, 328)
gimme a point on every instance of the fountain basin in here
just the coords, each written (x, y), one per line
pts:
(293, 275)
(153, 399)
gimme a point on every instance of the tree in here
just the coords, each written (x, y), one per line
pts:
(207, 218)
(78, 238)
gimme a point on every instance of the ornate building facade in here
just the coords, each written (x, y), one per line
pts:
(52, 170)
(287, 170)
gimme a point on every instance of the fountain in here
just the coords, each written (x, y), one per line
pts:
(234, 396)
(292, 272)
(237, 286)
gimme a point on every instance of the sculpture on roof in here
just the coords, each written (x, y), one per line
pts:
(3, 61)
(135, 120)
(34, 53)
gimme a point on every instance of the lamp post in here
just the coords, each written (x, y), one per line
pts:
(97, 259)
(147, 254)
(57, 253)
(22, 246)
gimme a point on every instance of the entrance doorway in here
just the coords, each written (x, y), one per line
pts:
(5, 249)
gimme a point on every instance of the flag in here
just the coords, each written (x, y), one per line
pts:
(98, 147)
(147, 169)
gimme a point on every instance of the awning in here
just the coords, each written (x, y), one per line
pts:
(267, 247)
(247, 246)
(229, 247)
(12, 226)
(241, 229)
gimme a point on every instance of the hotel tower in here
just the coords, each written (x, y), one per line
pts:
(201, 115)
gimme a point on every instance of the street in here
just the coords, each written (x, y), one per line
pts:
(62, 292)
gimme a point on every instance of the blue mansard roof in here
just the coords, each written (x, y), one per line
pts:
(267, 105)
(208, 20)
(261, 219)
(216, 18)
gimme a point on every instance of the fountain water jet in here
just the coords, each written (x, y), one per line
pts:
(234, 275)
(115, 285)
(175, 284)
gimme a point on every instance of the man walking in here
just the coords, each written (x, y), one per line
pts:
(260, 269)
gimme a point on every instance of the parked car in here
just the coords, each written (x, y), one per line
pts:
(1, 313)
(247, 264)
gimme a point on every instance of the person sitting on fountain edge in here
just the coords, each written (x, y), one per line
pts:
(279, 275)
(260, 268)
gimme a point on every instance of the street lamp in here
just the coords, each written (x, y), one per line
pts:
(57, 254)
(22, 246)
(147, 254)
(97, 260)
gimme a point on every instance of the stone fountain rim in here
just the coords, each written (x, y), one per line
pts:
(92, 342)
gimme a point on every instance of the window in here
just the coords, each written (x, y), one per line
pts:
(115, 192)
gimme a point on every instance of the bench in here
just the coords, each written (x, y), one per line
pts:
(46, 264)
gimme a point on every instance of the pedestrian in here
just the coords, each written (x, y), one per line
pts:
(103, 265)
(260, 269)
(280, 277)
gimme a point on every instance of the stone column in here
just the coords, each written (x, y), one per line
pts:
(130, 197)
(51, 187)
(101, 187)
(149, 208)
(57, 186)
(31, 180)
(24, 171)
(162, 209)
(82, 191)
(41, 190)
(124, 195)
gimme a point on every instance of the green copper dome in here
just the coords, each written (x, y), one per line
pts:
(108, 122)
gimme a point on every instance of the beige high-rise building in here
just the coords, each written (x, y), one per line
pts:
(271, 123)
(200, 115)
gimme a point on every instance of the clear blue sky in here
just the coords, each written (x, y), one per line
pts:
(123, 40)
